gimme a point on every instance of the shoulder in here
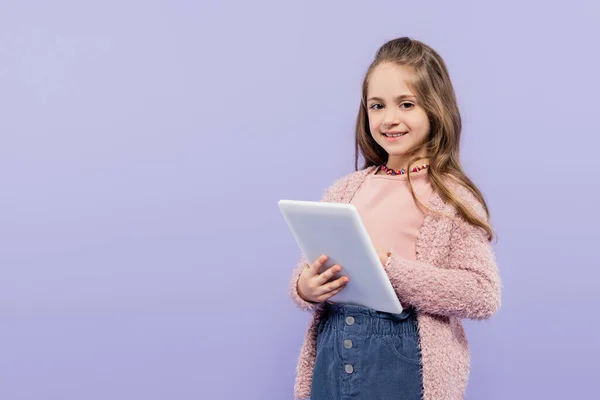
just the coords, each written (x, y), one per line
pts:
(469, 200)
(467, 197)
(347, 183)
(461, 194)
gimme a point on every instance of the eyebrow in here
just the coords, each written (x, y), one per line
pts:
(398, 98)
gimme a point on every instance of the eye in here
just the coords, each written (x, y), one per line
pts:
(407, 106)
(376, 106)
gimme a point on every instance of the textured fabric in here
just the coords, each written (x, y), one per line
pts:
(455, 276)
(388, 198)
(363, 354)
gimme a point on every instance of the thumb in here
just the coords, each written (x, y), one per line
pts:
(384, 255)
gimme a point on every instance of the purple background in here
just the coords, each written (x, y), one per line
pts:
(144, 146)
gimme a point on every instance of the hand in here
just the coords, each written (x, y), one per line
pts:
(384, 256)
(317, 288)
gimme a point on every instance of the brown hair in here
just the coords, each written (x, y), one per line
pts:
(434, 91)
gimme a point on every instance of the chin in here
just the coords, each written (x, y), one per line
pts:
(394, 150)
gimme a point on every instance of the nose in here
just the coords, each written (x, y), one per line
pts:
(390, 117)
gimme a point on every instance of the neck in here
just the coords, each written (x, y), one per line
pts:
(398, 162)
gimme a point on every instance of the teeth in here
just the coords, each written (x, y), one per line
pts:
(395, 135)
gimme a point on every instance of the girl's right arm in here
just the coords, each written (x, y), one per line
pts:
(314, 287)
(300, 302)
(309, 288)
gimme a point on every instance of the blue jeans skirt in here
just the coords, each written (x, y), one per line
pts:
(366, 354)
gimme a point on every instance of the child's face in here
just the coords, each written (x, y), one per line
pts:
(393, 110)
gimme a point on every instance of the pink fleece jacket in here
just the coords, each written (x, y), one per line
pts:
(455, 276)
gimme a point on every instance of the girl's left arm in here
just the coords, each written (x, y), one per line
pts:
(468, 288)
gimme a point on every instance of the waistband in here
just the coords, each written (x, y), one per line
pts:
(363, 320)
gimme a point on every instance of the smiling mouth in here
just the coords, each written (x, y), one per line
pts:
(393, 135)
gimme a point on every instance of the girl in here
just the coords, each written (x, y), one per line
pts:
(416, 202)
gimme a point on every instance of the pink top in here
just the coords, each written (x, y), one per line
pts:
(390, 214)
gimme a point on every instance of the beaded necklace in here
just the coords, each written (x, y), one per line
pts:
(402, 171)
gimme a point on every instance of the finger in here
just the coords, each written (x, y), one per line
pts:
(328, 295)
(333, 285)
(329, 273)
(384, 256)
(316, 266)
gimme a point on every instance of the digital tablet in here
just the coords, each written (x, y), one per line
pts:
(336, 230)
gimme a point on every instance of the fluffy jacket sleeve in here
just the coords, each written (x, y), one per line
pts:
(469, 286)
(332, 194)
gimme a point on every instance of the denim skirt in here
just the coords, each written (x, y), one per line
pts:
(367, 354)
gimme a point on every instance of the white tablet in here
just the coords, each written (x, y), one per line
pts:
(337, 230)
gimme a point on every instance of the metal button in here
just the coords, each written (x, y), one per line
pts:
(350, 320)
(349, 368)
(348, 343)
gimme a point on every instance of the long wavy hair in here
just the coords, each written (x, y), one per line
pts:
(430, 83)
